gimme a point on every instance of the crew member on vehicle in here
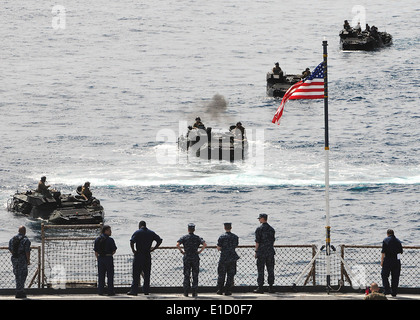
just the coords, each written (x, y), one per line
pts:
(239, 131)
(347, 26)
(277, 70)
(86, 193)
(306, 73)
(43, 188)
(198, 124)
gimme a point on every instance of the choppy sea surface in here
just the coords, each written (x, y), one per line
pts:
(104, 99)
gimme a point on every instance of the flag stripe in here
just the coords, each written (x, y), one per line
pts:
(309, 83)
(309, 90)
(307, 97)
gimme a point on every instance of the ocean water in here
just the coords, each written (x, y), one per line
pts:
(104, 99)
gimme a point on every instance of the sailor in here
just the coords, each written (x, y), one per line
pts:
(43, 188)
(142, 239)
(226, 244)
(86, 193)
(104, 250)
(277, 70)
(198, 124)
(191, 243)
(367, 28)
(374, 293)
(391, 262)
(306, 73)
(264, 253)
(20, 248)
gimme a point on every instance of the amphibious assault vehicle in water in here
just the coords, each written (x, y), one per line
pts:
(206, 144)
(367, 40)
(57, 208)
(277, 84)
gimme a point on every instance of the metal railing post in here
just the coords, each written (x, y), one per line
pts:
(42, 254)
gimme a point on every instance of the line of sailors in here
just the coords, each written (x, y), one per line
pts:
(190, 246)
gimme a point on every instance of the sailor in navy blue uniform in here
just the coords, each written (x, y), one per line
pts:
(141, 245)
(191, 243)
(104, 250)
(390, 262)
(264, 253)
(20, 248)
(226, 244)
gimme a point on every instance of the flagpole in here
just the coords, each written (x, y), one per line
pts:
(327, 175)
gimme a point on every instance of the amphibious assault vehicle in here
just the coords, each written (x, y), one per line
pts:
(57, 208)
(277, 84)
(206, 144)
(367, 40)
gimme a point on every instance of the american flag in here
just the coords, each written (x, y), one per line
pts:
(312, 87)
